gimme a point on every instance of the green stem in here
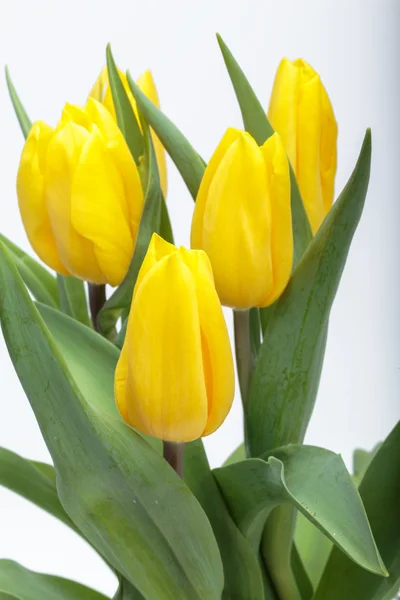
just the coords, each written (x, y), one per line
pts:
(277, 551)
(244, 360)
(97, 298)
(173, 454)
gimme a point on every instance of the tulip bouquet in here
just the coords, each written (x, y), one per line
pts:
(124, 385)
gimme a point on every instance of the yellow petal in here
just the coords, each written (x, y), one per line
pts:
(216, 351)
(236, 226)
(76, 252)
(31, 196)
(281, 216)
(197, 223)
(99, 89)
(308, 151)
(282, 110)
(328, 152)
(157, 250)
(98, 209)
(165, 390)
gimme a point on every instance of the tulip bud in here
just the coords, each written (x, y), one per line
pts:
(80, 195)
(174, 379)
(301, 112)
(242, 219)
(101, 91)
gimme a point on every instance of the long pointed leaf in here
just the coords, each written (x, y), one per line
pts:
(22, 117)
(122, 495)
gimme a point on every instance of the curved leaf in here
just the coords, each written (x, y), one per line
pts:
(22, 117)
(187, 161)
(126, 118)
(313, 548)
(121, 494)
(285, 379)
(39, 281)
(243, 577)
(380, 492)
(73, 298)
(313, 480)
(22, 584)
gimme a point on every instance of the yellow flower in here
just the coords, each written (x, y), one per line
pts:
(174, 379)
(242, 219)
(101, 91)
(301, 112)
(80, 195)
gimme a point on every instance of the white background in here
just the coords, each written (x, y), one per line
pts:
(55, 50)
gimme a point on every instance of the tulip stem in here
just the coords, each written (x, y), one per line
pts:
(173, 454)
(244, 360)
(97, 298)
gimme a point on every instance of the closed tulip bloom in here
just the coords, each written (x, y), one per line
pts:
(80, 195)
(174, 379)
(300, 110)
(242, 220)
(101, 91)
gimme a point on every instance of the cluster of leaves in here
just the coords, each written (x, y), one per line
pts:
(226, 533)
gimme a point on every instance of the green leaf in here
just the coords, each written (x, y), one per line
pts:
(255, 332)
(257, 124)
(41, 283)
(165, 225)
(313, 480)
(126, 118)
(243, 578)
(380, 492)
(19, 583)
(126, 591)
(121, 494)
(22, 117)
(34, 481)
(300, 574)
(188, 162)
(73, 298)
(313, 547)
(149, 223)
(286, 375)
(361, 462)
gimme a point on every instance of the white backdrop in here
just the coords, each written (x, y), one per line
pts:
(55, 50)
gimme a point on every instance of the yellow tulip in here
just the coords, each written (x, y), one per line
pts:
(101, 91)
(80, 195)
(242, 220)
(300, 110)
(174, 379)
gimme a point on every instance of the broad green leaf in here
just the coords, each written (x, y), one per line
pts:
(285, 379)
(41, 283)
(313, 480)
(187, 161)
(380, 492)
(313, 547)
(126, 118)
(236, 456)
(34, 481)
(361, 462)
(73, 298)
(256, 123)
(243, 578)
(126, 591)
(149, 223)
(300, 574)
(121, 494)
(22, 117)
(19, 583)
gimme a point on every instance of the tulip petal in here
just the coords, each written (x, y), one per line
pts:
(165, 389)
(63, 154)
(133, 199)
(148, 87)
(237, 226)
(230, 136)
(98, 209)
(308, 151)
(31, 196)
(217, 355)
(281, 235)
(282, 111)
(99, 89)
(157, 250)
(328, 153)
